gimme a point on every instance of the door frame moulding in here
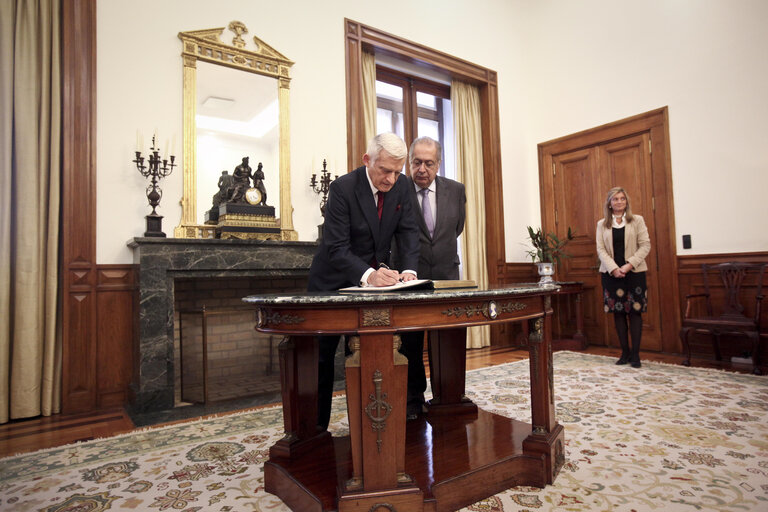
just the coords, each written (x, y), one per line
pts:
(359, 37)
(656, 124)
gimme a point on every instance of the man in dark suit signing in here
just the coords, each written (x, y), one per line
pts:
(439, 207)
(366, 209)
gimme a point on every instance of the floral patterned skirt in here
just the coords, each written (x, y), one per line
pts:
(625, 294)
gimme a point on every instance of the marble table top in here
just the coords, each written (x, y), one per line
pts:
(335, 297)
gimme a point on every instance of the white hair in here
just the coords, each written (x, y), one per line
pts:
(388, 142)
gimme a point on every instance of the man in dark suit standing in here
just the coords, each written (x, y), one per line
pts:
(439, 206)
(366, 209)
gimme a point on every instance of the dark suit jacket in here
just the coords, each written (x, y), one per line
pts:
(439, 256)
(353, 237)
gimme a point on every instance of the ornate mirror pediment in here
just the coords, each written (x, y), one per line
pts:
(244, 78)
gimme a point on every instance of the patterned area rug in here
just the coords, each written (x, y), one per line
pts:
(662, 437)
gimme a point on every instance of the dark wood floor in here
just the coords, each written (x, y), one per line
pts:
(23, 436)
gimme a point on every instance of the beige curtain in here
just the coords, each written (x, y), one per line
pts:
(465, 100)
(30, 169)
(369, 94)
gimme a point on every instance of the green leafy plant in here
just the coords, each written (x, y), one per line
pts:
(547, 247)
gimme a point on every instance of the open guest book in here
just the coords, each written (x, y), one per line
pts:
(415, 284)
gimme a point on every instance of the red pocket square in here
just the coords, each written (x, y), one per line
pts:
(397, 208)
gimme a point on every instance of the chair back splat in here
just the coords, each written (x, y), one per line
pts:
(730, 317)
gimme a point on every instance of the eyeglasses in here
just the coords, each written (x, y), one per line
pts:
(429, 164)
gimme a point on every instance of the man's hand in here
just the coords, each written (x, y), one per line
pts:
(383, 277)
(407, 276)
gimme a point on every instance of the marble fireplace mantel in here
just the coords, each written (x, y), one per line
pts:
(162, 260)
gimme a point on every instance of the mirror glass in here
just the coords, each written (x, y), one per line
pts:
(235, 105)
(237, 115)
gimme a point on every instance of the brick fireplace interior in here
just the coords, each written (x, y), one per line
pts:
(241, 362)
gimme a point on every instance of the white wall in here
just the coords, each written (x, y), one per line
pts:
(591, 62)
(139, 83)
(562, 68)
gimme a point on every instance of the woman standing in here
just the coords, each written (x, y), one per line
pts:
(622, 246)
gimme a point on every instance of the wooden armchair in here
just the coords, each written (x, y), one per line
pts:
(731, 318)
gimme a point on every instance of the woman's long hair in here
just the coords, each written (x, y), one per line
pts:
(608, 222)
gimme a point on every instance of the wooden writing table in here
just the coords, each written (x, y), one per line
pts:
(458, 454)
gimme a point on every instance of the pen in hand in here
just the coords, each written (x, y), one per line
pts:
(385, 266)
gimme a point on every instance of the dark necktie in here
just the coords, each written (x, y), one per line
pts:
(426, 209)
(379, 202)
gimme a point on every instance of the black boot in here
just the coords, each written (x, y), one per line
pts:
(620, 319)
(636, 330)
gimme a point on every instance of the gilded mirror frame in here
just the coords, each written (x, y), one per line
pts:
(206, 45)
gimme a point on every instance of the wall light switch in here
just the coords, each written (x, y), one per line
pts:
(686, 241)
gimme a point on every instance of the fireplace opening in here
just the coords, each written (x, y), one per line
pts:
(218, 354)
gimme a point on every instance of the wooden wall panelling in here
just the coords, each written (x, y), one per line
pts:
(78, 205)
(520, 273)
(692, 263)
(691, 281)
(564, 307)
(510, 334)
(115, 333)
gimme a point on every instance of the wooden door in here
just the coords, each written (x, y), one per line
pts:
(627, 163)
(576, 172)
(577, 203)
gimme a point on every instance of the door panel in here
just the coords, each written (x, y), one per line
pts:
(580, 182)
(626, 163)
(577, 205)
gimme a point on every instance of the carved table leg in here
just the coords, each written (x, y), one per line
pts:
(547, 437)
(298, 381)
(579, 335)
(716, 344)
(376, 400)
(686, 346)
(447, 372)
(755, 338)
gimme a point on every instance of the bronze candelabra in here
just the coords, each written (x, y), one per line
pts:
(322, 186)
(158, 168)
